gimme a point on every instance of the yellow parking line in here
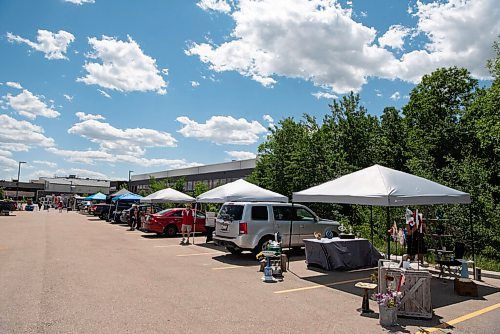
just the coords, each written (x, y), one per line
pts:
(228, 267)
(459, 319)
(322, 285)
(195, 254)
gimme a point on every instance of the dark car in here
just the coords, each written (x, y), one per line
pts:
(169, 221)
(7, 206)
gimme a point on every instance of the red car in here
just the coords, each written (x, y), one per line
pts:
(169, 221)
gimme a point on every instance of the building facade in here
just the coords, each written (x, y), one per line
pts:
(212, 175)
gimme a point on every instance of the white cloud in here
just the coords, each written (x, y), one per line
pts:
(80, 2)
(222, 130)
(21, 135)
(241, 155)
(394, 37)
(457, 34)
(126, 141)
(103, 93)
(45, 163)
(194, 84)
(68, 97)
(269, 120)
(124, 67)
(396, 96)
(311, 40)
(54, 45)
(92, 157)
(324, 95)
(29, 105)
(215, 5)
(16, 85)
(318, 41)
(7, 164)
(5, 153)
(84, 117)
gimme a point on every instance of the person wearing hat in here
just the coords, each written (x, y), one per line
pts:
(187, 224)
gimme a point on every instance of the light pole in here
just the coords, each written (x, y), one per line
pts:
(128, 184)
(18, 175)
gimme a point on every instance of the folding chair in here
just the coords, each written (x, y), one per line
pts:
(453, 263)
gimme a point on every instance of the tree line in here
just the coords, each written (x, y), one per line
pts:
(448, 132)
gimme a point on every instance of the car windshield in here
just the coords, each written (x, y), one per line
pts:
(231, 212)
(162, 212)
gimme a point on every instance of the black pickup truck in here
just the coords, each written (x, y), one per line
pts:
(7, 206)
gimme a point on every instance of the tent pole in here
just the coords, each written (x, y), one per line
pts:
(388, 216)
(371, 222)
(194, 219)
(472, 241)
(290, 237)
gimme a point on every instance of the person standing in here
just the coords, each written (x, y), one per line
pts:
(60, 206)
(416, 229)
(133, 217)
(187, 224)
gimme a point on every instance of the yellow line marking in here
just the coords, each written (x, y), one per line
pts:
(195, 254)
(459, 319)
(229, 267)
(322, 285)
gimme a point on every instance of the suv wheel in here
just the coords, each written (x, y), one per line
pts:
(234, 251)
(170, 231)
(262, 244)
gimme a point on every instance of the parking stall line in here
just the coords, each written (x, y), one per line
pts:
(229, 267)
(196, 254)
(322, 285)
(459, 319)
(165, 246)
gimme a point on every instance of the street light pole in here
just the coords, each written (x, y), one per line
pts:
(18, 175)
(128, 184)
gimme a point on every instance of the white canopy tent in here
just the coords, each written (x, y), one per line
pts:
(122, 191)
(241, 191)
(382, 186)
(167, 195)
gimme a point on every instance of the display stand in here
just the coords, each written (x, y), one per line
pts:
(416, 291)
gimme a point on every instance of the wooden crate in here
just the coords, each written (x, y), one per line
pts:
(416, 294)
(388, 268)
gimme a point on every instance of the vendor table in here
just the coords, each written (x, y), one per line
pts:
(341, 254)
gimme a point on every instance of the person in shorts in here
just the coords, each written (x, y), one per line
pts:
(187, 223)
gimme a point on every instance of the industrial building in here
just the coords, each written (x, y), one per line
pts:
(212, 175)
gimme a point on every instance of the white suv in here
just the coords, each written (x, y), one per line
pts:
(250, 225)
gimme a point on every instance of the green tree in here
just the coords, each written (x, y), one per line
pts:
(179, 184)
(155, 185)
(200, 188)
(392, 140)
(2, 194)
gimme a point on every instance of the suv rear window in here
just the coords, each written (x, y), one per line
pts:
(231, 212)
(259, 212)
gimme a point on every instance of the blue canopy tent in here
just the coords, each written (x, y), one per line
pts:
(96, 197)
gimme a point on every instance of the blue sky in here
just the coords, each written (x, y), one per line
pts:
(100, 87)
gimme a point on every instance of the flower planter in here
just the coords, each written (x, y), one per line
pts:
(388, 316)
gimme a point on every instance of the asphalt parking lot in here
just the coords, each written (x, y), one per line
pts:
(72, 273)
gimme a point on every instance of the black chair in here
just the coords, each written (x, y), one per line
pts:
(452, 262)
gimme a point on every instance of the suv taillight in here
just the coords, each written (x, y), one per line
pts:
(243, 228)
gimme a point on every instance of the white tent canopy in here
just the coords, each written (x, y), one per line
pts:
(167, 195)
(122, 191)
(242, 191)
(382, 186)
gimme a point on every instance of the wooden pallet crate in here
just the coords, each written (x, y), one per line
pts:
(416, 301)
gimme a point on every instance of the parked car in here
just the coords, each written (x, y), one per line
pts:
(109, 213)
(146, 209)
(169, 221)
(7, 206)
(251, 225)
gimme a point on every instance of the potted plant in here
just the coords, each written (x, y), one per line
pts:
(388, 307)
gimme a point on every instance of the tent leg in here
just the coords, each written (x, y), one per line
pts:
(194, 219)
(371, 223)
(388, 216)
(290, 238)
(472, 242)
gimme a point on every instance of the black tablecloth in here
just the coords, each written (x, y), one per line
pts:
(341, 254)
